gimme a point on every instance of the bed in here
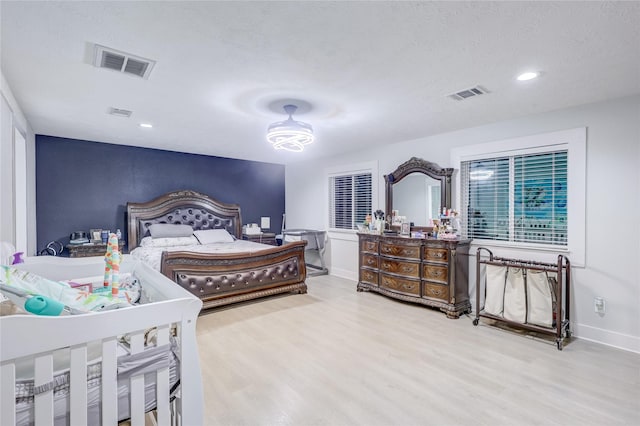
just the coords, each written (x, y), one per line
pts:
(222, 277)
(103, 367)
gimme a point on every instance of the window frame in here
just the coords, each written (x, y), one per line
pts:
(351, 169)
(574, 142)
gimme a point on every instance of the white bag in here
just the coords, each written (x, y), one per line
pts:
(515, 307)
(540, 298)
(494, 301)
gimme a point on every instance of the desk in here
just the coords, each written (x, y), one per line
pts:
(315, 243)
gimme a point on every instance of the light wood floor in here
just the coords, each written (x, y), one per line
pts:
(338, 357)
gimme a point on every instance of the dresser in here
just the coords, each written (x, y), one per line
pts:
(426, 271)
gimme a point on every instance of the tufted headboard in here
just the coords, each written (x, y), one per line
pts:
(182, 207)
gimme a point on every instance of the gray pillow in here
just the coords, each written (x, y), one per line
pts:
(167, 230)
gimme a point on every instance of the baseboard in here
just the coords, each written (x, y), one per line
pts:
(344, 273)
(606, 337)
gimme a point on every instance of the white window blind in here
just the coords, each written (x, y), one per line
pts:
(349, 200)
(520, 198)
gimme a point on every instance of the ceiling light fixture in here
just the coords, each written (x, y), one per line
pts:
(290, 135)
(146, 125)
(528, 76)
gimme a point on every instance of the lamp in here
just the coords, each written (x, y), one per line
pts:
(290, 135)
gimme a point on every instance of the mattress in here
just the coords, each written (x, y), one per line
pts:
(147, 362)
(152, 255)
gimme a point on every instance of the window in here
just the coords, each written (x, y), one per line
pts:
(349, 199)
(513, 194)
(519, 198)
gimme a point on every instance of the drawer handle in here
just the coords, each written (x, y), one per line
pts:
(436, 273)
(437, 254)
(408, 269)
(436, 292)
(370, 261)
(408, 252)
(386, 266)
(386, 249)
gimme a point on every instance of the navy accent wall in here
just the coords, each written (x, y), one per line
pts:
(82, 185)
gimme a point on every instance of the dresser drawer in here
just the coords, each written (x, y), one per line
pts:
(436, 291)
(369, 260)
(436, 255)
(400, 285)
(368, 276)
(407, 269)
(369, 246)
(399, 250)
(435, 273)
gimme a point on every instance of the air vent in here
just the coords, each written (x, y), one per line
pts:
(120, 112)
(112, 59)
(469, 93)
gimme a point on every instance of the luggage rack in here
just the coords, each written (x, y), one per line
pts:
(561, 326)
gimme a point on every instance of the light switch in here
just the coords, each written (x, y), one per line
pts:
(265, 222)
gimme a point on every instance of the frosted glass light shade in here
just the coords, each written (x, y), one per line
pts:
(290, 135)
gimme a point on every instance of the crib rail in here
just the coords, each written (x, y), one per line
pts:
(65, 334)
(35, 342)
(561, 312)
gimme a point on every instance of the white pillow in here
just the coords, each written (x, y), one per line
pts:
(169, 242)
(164, 230)
(210, 236)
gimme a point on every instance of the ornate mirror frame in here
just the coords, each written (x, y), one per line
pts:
(421, 166)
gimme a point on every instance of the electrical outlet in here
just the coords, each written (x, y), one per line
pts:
(599, 305)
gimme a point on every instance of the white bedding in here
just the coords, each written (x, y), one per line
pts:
(151, 255)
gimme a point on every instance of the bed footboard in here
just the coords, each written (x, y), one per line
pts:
(222, 279)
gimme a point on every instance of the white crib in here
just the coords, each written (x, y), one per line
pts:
(39, 341)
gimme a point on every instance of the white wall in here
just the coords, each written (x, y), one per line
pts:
(12, 119)
(612, 206)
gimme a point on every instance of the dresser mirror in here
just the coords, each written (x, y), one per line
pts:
(418, 189)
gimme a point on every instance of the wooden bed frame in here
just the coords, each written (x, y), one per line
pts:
(217, 279)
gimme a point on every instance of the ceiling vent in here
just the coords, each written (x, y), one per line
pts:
(112, 59)
(469, 93)
(120, 112)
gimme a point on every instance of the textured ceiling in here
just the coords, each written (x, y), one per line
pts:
(374, 72)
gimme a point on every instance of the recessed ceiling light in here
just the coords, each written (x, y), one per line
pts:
(146, 125)
(528, 76)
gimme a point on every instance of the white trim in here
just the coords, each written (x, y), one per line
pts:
(575, 141)
(606, 337)
(344, 273)
(351, 169)
(20, 189)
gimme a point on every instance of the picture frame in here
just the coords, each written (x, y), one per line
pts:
(94, 236)
(405, 228)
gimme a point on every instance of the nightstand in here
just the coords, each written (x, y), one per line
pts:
(264, 238)
(90, 249)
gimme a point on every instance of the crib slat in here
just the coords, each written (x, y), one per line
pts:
(78, 397)
(44, 400)
(162, 383)
(109, 381)
(137, 384)
(8, 394)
